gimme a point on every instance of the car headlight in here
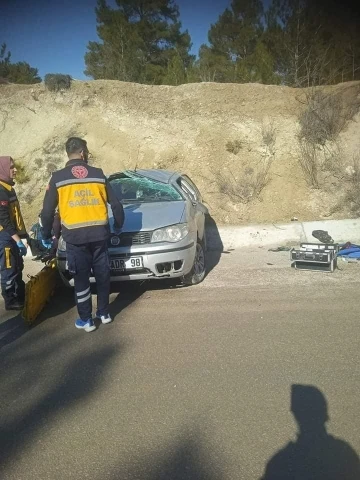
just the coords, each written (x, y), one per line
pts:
(174, 233)
(61, 244)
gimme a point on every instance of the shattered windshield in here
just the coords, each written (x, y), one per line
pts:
(131, 188)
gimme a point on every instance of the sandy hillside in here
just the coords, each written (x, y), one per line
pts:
(186, 128)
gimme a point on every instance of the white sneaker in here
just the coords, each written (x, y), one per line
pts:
(87, 325)
(104, 318)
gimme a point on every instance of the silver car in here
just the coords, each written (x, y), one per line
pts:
(163, 236)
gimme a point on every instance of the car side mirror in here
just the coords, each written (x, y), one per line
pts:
(201, 207)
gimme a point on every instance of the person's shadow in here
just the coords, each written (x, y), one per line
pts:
(315, 455)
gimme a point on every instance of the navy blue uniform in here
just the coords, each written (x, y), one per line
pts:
(81, 193)
(11, 262)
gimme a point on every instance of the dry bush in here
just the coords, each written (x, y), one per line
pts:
(57, 81)
(325, 116)
(168, 163)
(51, 167)
(38, 162)
(351, 199)
(309, 162)
(28, 198)
(54, 147)
(332, 165)
(234, 146)
(21, 174)
(248, 186)
(268, 133)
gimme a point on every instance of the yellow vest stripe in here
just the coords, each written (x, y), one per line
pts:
(79, 180)
(14, 211)
(7, 257)
(6, 186)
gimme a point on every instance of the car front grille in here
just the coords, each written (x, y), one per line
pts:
(134, 238)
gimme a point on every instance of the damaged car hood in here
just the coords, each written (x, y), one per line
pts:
(150, 216)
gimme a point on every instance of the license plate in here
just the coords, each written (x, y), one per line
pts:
(123, 264)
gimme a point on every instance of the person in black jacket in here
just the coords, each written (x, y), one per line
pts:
(81, 194)
(12, 231)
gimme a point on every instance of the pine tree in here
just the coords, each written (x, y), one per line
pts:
(236, 52)
(313, 42)
(20, 72)
(4, 61)
(141, 40)
(176, 73)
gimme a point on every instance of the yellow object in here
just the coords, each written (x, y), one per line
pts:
(38, 290)
(86, 202)
(7, 257)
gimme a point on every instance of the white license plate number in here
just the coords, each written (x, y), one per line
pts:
(123, 264)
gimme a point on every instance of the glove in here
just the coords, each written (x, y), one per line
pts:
(47, 243)
(22, 248)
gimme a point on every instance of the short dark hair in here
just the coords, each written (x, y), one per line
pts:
(75, 145)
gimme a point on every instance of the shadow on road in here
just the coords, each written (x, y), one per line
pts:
(186, 462)
(128, 293)
(44, 375)
(12, 329)
(315, 455)
(184, 459)
(15, 327)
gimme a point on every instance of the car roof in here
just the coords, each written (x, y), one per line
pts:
(163, 176)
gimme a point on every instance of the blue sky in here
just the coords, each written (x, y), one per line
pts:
(52, 35)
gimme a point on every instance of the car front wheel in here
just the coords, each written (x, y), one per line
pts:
(197, 273)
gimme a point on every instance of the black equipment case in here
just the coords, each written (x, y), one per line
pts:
(315, 256)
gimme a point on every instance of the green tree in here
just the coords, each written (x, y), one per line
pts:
(4, 61)
(260, 66)
(20, 72)
(313, 42)
(236, 52)
(176, 73)
(141, 42)
(212, 65)
(293, 41)
(342, 26)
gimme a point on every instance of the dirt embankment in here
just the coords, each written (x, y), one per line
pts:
(216, 133)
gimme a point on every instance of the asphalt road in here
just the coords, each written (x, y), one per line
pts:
(190, 383)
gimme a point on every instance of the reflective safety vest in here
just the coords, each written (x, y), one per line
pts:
(81, 193)
(11, 220)
(82, 203)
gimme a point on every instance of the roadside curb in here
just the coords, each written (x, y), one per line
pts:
(230, 237)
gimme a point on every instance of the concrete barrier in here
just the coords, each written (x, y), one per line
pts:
(231, 237)
(228, 237)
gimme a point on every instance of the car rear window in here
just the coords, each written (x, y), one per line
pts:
(140, 189)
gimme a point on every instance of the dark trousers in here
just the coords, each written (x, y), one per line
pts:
(81, 260)
(11, 268)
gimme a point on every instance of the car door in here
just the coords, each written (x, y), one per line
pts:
(199, 209)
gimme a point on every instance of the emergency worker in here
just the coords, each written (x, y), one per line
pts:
(12, 231)
(81, 194)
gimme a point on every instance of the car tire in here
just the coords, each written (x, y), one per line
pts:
(198, 270)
